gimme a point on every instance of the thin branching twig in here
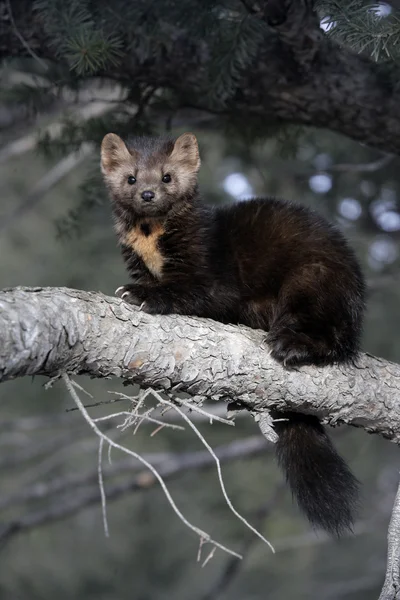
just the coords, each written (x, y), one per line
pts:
(218, 464)
(101, 486)
(144, 416)
(100, 434)
(22, 39)
(210, 416)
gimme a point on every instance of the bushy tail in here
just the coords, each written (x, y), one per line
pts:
(323, 485)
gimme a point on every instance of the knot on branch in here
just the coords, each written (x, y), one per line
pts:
(266, 425)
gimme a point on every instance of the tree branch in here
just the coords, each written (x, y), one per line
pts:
(48, 331)
(300, 75)
(324, 85)
(391, 587)
(51, 331)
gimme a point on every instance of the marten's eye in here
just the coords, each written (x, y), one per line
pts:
(166, 178)
(131, 179)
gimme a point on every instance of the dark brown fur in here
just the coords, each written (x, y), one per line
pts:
(265, 263)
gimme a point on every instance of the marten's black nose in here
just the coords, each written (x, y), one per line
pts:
(148, 195)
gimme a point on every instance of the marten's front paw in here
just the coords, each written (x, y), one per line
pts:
(147, 301)
(150, 308)
(133, 294)
(129, 295)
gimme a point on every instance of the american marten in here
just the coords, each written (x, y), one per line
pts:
(265, 263)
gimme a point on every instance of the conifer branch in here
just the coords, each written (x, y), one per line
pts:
(49, 331)
(391, 587)
(289, 71)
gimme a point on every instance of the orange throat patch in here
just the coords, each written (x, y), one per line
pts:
(143, 240)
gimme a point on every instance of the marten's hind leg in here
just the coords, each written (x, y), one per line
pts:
(293, 341)
(313, 323)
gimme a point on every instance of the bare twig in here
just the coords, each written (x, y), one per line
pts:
(134, 416)
(44, 421)
(233, 565)
(93, 404)
(22, 39)
(156, 474)
(210, 415)
(80, 388)
(142, 416)
(101, 486)
(218, 463)
(213, 413)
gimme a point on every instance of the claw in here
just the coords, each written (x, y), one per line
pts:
(141, 306)
(121, 287)
(124, 295)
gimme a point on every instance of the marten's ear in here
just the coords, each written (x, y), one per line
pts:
(186, 152)
(113, 153)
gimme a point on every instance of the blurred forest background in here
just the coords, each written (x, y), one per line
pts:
(55, 230)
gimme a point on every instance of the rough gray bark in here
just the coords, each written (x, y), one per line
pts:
(52, 330)
(391, 587)
(306, 78)
(49, 330)
(300, 75)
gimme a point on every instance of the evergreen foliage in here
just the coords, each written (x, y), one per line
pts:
(372, 28)
(215, 41)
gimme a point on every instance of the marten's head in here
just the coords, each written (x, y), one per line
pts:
(149, 176)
